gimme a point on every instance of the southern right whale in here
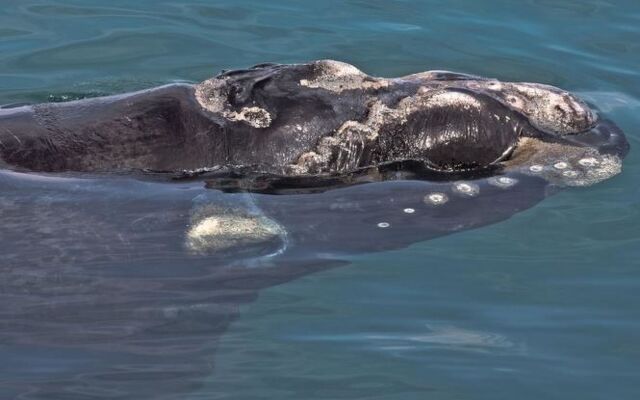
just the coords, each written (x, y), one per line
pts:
(127, 264)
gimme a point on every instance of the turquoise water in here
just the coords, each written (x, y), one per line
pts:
(541, 306)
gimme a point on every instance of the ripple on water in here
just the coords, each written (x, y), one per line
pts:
(434, 336)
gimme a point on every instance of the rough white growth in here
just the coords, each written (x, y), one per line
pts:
(502, 181)
(212, 96)
(588, 162)
(549, 108)
(453, 99)
(560, 165)
(218, 230)
(337, 76)
(466, 189)
(383, 225)
(254, 116)
(607, 167)
(584, 166)
(436, 198)
(536, 168)
(409, 210)
(207, 227)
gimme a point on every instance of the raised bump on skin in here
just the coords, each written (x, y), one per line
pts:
(570, 173)
(588, 162)
(383, 224)
(560, 165)
(502, 181)
(466, 189)
(536, 168)
(436, 198)
(409, 210)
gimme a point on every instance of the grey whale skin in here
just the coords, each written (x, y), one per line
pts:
(100, 272)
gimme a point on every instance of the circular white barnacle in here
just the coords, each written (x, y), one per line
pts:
(502, 181)
(409, 210)
(466, 188)
(588, 162)
(383, 224)
(570, 173)
(436, 198)
(560, 165)
(536, 168)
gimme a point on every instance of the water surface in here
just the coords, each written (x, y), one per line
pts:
(101, 300)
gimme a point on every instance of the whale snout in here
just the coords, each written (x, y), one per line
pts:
(605, 137)
(580, 159)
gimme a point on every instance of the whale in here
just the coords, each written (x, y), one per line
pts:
(137, 226)
(325, 119)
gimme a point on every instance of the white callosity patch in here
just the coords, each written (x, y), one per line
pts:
(452, 99)
(436, 199)
(467, 189)
(554, 110)
(607, 166)
(212, 96)
(588, 162)
(560, 165)
(214, 229)
(502, 181)
(409, 210)
(337, 76)
(254, 116)
(383, 224)
(548, 108)
(536, 168)
(563, 165)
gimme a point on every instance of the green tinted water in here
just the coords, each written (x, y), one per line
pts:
(542, 306)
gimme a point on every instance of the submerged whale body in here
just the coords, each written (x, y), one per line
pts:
(130, 279)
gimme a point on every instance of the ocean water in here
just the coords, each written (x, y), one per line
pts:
(101, 301)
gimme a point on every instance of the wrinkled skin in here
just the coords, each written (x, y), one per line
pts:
(129, 283)
(322, 118)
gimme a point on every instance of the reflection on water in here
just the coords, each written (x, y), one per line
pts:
(101, 296)
(435, 337)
